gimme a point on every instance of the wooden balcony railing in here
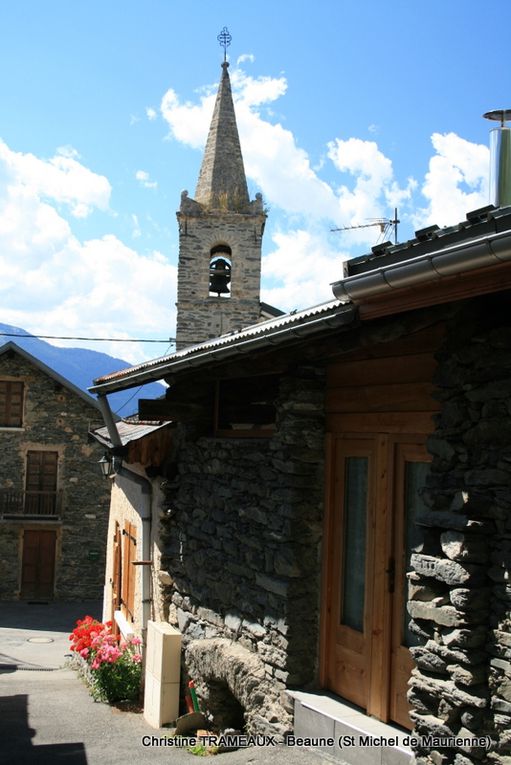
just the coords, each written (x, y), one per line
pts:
(33, 503)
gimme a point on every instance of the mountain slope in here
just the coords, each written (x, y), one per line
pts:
(81, 366)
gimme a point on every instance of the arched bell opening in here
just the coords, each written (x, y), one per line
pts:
(220, 266)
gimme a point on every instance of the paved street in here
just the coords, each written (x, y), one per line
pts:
(47, 716)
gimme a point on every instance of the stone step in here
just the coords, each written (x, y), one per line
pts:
(341, 731)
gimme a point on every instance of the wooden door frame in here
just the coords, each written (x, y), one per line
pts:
(380, 600)
(405, 451)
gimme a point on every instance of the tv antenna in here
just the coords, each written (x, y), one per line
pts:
(385, 224)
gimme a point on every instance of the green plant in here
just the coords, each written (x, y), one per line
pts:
(115, 667)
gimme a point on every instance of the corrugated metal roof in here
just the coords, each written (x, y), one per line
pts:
(488, 222)
(128, 431)
(260, 330)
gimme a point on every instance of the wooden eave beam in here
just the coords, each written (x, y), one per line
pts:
(444, 290)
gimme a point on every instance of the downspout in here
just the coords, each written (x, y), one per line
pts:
(144, 511)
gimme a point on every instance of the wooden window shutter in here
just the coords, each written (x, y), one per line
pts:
(128, 570)
(11, 404)
(41, 482)
(117, 574)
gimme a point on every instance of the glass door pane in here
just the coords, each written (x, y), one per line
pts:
(354, 533)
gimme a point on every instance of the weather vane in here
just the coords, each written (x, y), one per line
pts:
(224, 38)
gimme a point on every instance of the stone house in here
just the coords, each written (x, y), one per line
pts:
(333, 536)
(133, 588)
(336, 501)
(53, 501)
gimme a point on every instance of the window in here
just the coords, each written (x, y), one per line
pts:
(11, 404)
(356, 482)
(245, 407)
(41, 483)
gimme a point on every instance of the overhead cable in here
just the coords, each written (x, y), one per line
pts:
(92, 339)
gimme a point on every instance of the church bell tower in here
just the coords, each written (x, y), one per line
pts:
(220, 234)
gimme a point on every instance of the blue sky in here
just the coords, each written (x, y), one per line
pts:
(345, 110)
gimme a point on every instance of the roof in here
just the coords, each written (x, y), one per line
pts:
(270, 310)
(483, 240)
(13, 347)
(222, 182)
(128, 431)
(297, 324)
(485, 220)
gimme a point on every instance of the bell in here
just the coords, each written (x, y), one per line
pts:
(219, 277)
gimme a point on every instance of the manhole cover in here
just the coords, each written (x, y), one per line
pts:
(40, 640)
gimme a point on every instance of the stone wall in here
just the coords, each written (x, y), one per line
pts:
(199, 315)
(241, 542)
(460, 593)
(56, 419)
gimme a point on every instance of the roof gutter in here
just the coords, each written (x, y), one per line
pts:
(488, 250)
(343, 316)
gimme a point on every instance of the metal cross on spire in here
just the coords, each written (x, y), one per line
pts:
(224, 38)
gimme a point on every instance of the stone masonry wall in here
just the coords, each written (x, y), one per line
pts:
(460, 593)
(200, 316)
(56, 419)
(242, 534)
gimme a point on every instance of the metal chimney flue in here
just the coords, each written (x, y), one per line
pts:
(500, 158)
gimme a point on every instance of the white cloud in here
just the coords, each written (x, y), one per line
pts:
(245, 57)
(300, 268)
(456, 182)
(68, 151)
(145, 180)
(363, 186)
(62, 179)
(281, 168)
(53, 283)
(151, 113)
(52, 280)
(136, 231)
(188, 122)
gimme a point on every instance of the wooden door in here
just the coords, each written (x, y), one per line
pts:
(41, 483)
(38, 564)
(372, 505)
(351, 542)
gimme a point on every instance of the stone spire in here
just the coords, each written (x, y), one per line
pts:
(222, 183)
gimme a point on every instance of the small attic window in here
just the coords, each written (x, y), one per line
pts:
(220, 271)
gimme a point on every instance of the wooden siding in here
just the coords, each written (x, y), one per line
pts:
(384, 389)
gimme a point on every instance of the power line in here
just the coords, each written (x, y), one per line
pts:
(92, 339)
